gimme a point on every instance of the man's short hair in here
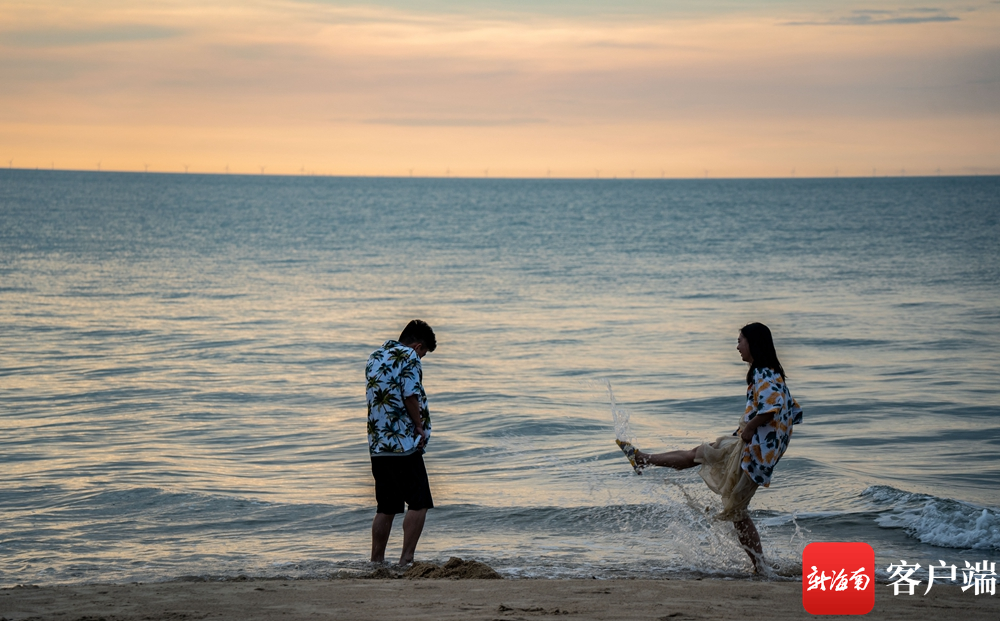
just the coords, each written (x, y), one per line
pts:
(417, 331)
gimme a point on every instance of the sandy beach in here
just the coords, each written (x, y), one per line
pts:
(371, 599)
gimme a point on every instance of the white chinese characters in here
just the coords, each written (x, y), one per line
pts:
(985, 580)
(839, 581)
(982, 577)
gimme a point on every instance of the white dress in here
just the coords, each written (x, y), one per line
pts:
(720, 468)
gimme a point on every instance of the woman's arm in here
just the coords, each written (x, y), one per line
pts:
(768, 399)
(751, 428)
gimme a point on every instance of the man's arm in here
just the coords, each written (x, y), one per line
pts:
(412, 404)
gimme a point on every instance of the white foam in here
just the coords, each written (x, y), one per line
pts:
(938, 521)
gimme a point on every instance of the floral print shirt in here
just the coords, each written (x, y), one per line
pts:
(768, 394)
(394, 373)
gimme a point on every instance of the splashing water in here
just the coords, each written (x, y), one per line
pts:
(620, 416)
(682, 509)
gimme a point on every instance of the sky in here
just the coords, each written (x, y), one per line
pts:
(474, 88)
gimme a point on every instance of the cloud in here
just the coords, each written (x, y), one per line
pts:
(883, 17)
(72, 37)
(452, 122)
(624, 45)
(522, 8)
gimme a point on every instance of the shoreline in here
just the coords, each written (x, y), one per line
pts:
(442, 598)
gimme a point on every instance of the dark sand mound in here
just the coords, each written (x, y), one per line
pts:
(455, 569)
(383, 573)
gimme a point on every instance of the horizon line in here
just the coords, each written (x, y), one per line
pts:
(501, 177)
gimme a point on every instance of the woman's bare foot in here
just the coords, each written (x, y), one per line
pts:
(632, 454)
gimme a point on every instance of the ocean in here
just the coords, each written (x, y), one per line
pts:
(182, 369)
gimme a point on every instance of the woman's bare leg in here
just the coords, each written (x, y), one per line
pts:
(678, 460)
(746, 532)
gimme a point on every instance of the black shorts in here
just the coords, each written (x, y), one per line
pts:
(400, 479)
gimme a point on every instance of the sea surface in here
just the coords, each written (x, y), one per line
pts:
(182, 369)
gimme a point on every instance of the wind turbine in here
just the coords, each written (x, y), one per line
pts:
(185, 169)
(633, 173)
(98, 167)
(147, 167)
(597, 172)
(262, 169)
(411, 172)
(486, 172)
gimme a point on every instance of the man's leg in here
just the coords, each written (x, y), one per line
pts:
(413, 525)
(749, 538)
(679, 460)
(381, 527)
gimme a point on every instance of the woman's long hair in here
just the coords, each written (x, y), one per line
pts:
(758, 336)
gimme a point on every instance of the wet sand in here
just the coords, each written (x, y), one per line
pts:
(473, 599)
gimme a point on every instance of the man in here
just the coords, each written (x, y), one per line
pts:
(399, 427)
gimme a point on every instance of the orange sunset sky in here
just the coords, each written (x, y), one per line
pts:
(502, 89)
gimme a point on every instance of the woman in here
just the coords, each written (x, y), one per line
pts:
(734, 466)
